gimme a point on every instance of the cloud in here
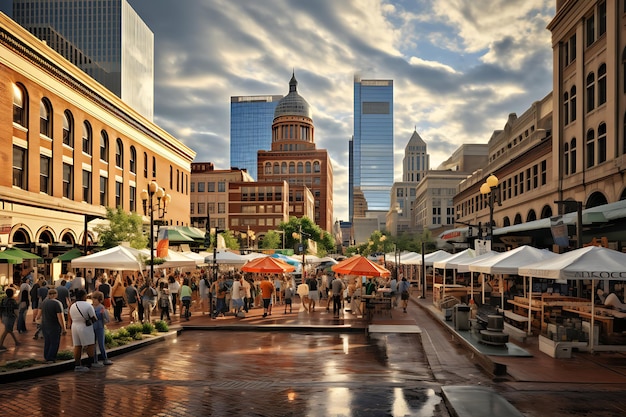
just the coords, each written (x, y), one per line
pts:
(459, 67)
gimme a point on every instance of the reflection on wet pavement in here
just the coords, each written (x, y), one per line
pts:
(245, 373)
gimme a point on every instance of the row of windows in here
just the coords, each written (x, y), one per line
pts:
(46, 123)
(291, 168)
(595, 150)
(221, 208)
(209, 187)
(594, 98)
(516, 140)
(300, 132)
(595, 20)
(270, 221)
(524, 181)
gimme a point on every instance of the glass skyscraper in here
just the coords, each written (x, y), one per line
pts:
(251, 119)
(371, 161)
(106, 39)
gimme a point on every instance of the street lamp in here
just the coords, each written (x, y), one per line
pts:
(162, 201)
(383, 238)
(299, 235)
(491, 190)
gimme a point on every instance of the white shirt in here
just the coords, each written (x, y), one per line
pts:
(236, 292)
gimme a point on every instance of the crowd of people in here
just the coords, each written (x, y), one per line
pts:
(63, 304)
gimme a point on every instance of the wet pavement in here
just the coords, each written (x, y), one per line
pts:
(314, 365)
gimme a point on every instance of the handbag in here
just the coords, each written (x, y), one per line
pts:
(88, 320)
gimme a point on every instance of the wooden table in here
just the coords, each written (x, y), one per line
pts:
(606, 321)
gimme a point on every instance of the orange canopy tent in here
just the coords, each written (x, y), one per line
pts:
(358, 265)
(267, 265)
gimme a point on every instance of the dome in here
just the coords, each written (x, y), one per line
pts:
(293, 104)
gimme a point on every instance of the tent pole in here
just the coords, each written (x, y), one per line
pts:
(530, 304)
(593, 313)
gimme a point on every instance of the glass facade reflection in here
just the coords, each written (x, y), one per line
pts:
(106, 39)
(251, 119)
(372, 143)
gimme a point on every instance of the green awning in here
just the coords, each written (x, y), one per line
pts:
(7, 258)
(19, 253)
(177, 236)
(68, 256)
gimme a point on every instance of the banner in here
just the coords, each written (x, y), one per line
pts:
(559, 231)
(163, 244)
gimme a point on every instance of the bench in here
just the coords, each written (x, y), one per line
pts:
(558, 349)
(515, 325)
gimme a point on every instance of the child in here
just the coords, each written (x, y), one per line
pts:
(288, 297)
(102, 314)
(8, 310)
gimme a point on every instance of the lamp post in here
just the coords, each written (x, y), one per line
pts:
(491, 190)
(299, 235)
(383, 238)
(162, 200)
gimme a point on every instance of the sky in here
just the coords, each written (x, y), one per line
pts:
(459, 67)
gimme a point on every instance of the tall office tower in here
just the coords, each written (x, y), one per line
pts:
(416, 161)
(372, 147)
(251, 120)
(294, 158)
(108, 40)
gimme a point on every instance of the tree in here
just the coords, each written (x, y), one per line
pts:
(272, 240)
(122, 227)
(309, 231)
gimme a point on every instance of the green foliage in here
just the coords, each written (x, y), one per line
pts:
(65, 355)
(134, 329)
(325, 241)
(161, 326)
(230, 239)
(122, 227)
(21, 364)
(272, 240)
(147, 328)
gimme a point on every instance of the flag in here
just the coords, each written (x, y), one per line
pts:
(162, 244)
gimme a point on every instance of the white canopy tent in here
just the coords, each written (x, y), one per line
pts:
(196, 257)
(591, 262)
(508, 263)
(118, 258)
(447, 263)
(172, 260)
(225, 257)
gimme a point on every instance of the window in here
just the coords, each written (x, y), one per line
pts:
(566, 108)
(572, 103)
(177, 180)
(192, 209)
(221, 207)
(316, 166)
(44, 174)
(133, 160)
(154, 167)
(19, 105)
(87, 186)
(171, 177)
(292, 168)
(601, 143)
(68, 129)
(201, 208)
(221, 187)
(211, 208)
(276, 168)
(119, 153)
(591, 91)
(602, 84)
(572, 153)
(268, 168)
(145, 165)
(118, 194)
(68, 187)
(591, 148)
(45, 118)
(201, 187)
(193, 187)
(601, 19)
(87, 138)
(104, 184)
(210, 187)
(283, 168)
(544, 172)
(19, 167)
(307, 167)
(132, 198)
(566, 159)
(104, 146)
(572, 49)
(300, 168)
(590, 29)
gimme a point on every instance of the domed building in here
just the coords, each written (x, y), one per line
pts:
(295, 159)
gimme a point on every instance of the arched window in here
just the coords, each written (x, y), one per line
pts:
(133, 160)
(19, 105)
(145, 165)
(572, 104)
(316, 166)
(45, 118)
(566, 108)
(566, 157)
(572, 154)
(307, 167)
(601, 143)
(119, 153)
(268, 168)
(300, 168)
(292, 167)
(591, 148)
(154, 167)
(68, 129)
(104, 146)
(602, 84)
(171, 178)
(276, 168)
(283, 168)
(591, 92)
(87, 138)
